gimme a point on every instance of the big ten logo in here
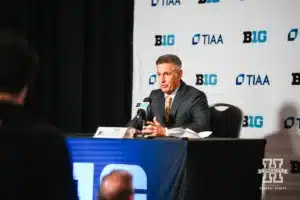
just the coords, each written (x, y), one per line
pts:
(84, 179)
(155, 3)
(138, 174)
(291, 122)
(255, 36)
(251, 79)
(295, 78)
(293, 34)
(207, 39)
(295, 166)
(152, 79)
(272, 171)
(208, 1)
(253, 121)
(206, 79)
(143, 105)
(165, 40)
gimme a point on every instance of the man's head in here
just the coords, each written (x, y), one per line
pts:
(169, 72)
(18, 67)
(116, 186)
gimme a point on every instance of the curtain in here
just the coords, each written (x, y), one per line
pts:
(85, 58)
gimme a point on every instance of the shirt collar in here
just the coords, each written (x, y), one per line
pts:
(173, 93)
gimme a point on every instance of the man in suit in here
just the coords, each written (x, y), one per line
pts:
(35, 162)
(175, 104)
(117, 185)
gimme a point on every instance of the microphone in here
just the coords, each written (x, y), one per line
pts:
(140, 119)
(144, 109)
(147, 109)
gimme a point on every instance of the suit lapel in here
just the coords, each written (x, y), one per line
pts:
(161, 108)
(178, 99)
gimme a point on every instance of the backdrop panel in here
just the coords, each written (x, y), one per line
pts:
(238, 52)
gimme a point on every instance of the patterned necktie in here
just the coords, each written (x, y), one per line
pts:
(168, 100)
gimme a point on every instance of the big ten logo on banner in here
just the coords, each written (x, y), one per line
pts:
(155, 3)
(295, 166)
(207, 39)
(293, 34)
(253, 121)
(252, 79)
(259, 36)
(295, 78)
(208, 1)
(273, 172)
(164, 40)
(84, 176)
(143, 105)
(291, 122)
(206, 79)
(138, 174)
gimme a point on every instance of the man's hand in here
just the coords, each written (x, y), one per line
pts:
(154, 129)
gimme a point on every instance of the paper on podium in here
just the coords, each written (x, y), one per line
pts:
(110, 132)
(187, 133)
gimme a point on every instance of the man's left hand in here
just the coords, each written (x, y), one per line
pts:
(154, 129)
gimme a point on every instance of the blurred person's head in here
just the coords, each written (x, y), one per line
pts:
(18, 67)
(169, 72)
(117, 185)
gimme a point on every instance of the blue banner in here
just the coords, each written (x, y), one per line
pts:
(156, 165)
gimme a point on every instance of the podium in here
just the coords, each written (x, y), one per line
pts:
(174, 168)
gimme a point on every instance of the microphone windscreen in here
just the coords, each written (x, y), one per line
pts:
(141, 113)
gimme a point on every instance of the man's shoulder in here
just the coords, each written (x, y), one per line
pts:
(192, 91)
(155, 92)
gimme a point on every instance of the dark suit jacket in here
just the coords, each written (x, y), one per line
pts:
(35, 162)
(189, 109)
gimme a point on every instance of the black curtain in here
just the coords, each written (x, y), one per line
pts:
(85, 51)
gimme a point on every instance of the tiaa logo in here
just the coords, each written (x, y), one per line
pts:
(164, 3)
(292, 122)
(207, 39)
(252, 79)
(152, 79)
(293, 34)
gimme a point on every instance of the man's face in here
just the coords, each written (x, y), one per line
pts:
(169, 77)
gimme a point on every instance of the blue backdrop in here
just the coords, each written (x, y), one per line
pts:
(157, 166)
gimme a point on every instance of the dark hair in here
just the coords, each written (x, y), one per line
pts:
(169, 58)
(122, 193)
(18, 63)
